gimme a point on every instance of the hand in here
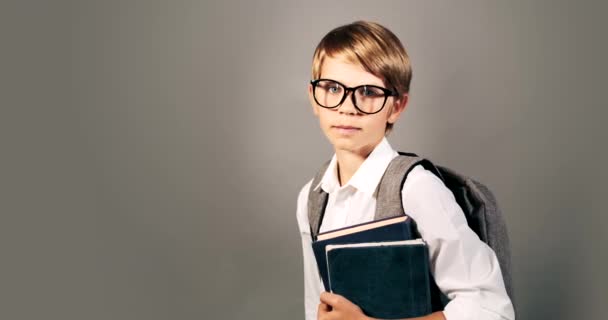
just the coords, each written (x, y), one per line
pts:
(336, 307)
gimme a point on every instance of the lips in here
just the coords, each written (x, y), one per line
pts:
(345, 130)
(346, 127)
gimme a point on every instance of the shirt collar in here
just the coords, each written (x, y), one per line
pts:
(367, 177)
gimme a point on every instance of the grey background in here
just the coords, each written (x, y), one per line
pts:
(152, 152)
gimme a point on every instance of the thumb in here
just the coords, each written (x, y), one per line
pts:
(329, 298)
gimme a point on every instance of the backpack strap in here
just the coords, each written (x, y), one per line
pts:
(317, 201)
(388, 193)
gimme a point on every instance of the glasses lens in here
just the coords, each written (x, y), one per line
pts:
(329, 93)
(370, 99)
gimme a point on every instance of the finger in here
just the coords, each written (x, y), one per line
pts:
(322, 311)
(324, 307)
(330, 298)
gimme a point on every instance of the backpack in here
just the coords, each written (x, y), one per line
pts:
(476, 200)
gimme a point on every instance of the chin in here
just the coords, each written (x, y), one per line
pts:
(345, 144)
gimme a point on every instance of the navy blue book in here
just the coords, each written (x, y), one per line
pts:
(387, 280)
(389, 229)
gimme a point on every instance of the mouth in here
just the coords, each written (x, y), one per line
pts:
(346, 127)
(345, 130)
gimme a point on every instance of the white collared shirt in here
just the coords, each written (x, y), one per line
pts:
(465, 268)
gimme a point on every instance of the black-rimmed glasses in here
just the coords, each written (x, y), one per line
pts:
(368, 99)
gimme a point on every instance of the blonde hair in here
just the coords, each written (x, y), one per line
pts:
(372, 46)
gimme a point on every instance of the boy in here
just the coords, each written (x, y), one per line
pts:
(361, 75)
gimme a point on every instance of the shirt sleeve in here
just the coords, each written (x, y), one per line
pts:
(312, 290)
(464, 267)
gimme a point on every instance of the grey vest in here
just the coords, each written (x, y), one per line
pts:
(477, 202)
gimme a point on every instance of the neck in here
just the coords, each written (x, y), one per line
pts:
(349, 161)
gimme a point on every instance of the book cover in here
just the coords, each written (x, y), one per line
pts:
(387, 280)
(389, 229)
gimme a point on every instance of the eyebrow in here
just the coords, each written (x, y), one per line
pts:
(343, 82)
(351, 86)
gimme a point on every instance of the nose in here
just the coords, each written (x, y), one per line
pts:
(348, 105)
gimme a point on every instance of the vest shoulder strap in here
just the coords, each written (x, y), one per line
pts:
(317, 200)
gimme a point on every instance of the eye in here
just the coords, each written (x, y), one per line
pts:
(330, 87)
(371, 92)
(334, 89)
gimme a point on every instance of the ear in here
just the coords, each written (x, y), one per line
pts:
(311, 98)
(398, 107)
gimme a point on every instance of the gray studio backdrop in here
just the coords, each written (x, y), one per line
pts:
(152, 151)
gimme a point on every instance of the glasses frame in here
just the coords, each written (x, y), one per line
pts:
(387, 93)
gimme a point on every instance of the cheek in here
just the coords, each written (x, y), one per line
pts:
(324, 115)
(381, 119)
(315, 110)
(388, 111)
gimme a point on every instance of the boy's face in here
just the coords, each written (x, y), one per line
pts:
(347, 128)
